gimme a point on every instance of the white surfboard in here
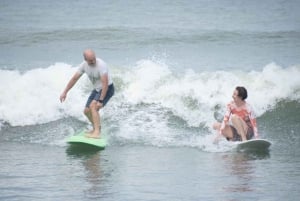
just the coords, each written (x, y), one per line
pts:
(254, 144)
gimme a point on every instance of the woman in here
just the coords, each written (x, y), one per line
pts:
(239, 122)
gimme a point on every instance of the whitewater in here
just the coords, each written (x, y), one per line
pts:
(32, 97)
(152, 105)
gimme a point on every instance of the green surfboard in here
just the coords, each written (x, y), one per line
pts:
(80, 139)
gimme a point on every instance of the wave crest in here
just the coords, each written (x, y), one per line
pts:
(33, 97)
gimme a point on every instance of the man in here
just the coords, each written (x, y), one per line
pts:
(99, 75)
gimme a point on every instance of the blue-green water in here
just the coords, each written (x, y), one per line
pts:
(174, 65)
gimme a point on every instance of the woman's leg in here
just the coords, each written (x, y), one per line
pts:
(227, 132)
(240, 125)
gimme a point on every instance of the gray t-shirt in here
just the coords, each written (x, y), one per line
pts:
(95, 72)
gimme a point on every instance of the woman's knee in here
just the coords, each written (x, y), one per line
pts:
(238, 123)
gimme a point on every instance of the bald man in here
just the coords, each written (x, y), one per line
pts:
(98, 73)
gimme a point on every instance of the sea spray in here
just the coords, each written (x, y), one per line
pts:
(152, 104)
(32, 97)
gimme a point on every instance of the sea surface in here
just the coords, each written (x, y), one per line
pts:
(175, 65)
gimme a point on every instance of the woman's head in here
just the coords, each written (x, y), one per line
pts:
(240, 92)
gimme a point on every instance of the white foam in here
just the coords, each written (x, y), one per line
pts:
(148, 96)
(33, 97)
(193, 96)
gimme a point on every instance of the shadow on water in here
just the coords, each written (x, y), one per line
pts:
(89, 158)
(80, 150)
(255, 154)
(241, 168)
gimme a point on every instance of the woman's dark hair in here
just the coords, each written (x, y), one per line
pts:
(242, 92)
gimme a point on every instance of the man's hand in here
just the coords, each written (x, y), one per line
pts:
(63, 97)
(99, 105)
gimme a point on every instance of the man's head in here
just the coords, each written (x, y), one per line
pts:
(90, 57)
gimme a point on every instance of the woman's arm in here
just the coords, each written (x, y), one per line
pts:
(226, 117)
(253, 122)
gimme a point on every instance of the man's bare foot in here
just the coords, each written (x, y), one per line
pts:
(93, 135)
(89, 132)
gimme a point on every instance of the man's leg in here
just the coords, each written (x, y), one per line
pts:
(93, 111)
(240, 125)
(87, 113)
(95, 119)
(87, 110)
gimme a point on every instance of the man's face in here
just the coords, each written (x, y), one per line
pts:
(90, 60)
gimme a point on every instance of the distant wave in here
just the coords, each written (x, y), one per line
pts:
(143, 35)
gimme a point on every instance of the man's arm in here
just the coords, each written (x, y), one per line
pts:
(71, 83)
(104, 81)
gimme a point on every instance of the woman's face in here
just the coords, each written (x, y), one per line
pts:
(235, 96)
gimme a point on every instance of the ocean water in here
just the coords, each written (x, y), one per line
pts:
(175, 65)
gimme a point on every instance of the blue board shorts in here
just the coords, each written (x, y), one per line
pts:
(95, 95)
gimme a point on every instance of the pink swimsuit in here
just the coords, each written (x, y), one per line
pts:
(245, 112)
